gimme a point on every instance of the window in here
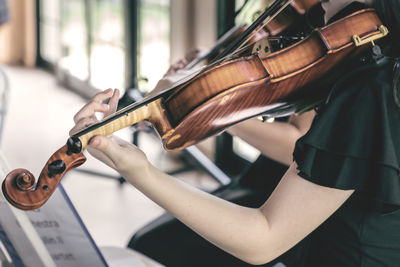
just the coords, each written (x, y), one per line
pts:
(86, 42)
(107, 46)
(250, 11)
(74, 58)
(49, 25)
(153, 42)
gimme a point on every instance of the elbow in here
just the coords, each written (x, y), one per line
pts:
(261, 254)
(258, 259)
(260, 245)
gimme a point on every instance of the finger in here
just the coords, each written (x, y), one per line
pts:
(116, 152)
(81, 124)
(181, 64)
(90, 109)
(112, 146)
(121, 142)
(95, 105)
(113, 103)
(192, 55)
(106, 145)
(102, 96)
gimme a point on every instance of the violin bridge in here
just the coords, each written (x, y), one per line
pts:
(262, 47)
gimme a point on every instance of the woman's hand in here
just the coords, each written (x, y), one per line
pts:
(176, 72)
(182, 63)
(113, 151)
(86, 116)
(120, 155)
(169, 80)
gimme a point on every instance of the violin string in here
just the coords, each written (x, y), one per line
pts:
(135, 105)
(241, 47)
(266, 21)
(268, 11)
(163, 92)
(185, 79)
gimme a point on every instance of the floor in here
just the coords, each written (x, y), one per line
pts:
(37, 123)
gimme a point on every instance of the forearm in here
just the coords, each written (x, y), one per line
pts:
(275, 140)
(235, 229)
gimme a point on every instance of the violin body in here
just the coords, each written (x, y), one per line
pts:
(244, 87)
(221, 95)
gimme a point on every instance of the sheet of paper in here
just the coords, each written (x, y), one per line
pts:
(20, 239)
(64, 234)
(53, 235)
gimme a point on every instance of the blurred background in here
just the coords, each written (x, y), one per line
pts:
(56, 54)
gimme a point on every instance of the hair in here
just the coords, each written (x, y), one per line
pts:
(389, 12)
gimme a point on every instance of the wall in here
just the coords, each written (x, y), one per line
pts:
(193, 25)
(18, 36)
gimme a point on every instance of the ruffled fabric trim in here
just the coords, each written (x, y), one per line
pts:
(380, 181)
(354, 142)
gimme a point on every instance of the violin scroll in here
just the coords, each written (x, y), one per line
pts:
(19, 186)
(24, 179)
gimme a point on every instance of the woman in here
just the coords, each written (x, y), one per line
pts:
(342, 189)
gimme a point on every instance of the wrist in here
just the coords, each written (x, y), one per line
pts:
(136, 175)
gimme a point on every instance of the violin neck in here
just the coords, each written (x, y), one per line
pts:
(149, 112)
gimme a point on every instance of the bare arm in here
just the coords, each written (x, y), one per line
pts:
(258, 235)
(277, 139)
(255, 235)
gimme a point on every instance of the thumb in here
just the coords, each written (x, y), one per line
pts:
(104, 144)
(110, 151)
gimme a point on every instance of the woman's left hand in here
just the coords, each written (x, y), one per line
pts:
(113, 151)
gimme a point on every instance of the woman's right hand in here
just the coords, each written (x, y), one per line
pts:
(175, 72)
(182, 63)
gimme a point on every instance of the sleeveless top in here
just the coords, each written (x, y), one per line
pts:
(354, 143)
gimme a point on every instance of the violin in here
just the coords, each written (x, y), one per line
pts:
(291, 14)
(219, 95)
